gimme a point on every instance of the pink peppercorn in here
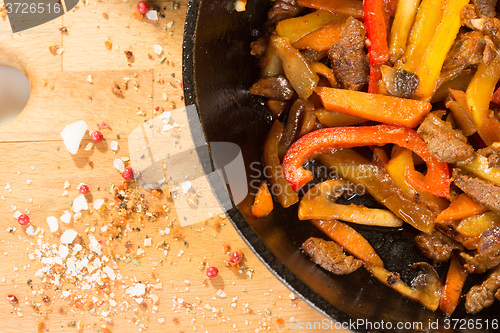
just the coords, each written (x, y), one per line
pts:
(23, 219)
(236, 257)
(212, 272)
(128, 173)
(84, 189)
(142, 7)
(96, 136)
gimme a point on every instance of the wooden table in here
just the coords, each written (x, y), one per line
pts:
(35, 166)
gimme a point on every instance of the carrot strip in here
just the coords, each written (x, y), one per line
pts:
(352, 241)
(377, 107)
(263, 203)
(321, 39)
(460, 208)
(452, 289)
(352, 8)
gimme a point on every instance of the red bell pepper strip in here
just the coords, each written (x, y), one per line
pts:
(496, 97)
(436, 181)
(376, 18)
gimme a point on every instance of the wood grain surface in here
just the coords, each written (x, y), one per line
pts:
(34, 167)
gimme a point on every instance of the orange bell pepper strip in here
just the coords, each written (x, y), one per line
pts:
(430, 65)
(263, 202)
(321, 39)
(452, 289)
(436, 181)
(377, 107)
(460, 208)
(351, 240)
(352, 8)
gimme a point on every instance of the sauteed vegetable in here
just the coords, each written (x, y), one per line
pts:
(397, 100)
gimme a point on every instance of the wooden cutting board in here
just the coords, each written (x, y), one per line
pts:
(34, 167)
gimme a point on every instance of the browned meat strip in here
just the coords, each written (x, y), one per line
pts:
(489, 26)
(330, 256)
(482, 191)
(486, 7)
(467, 50)
(437, 246)
(493, 154)
(497, 295)
(259, 46)
(483, 295)
(283, 9)
(273, 87)
(488, 252)
(445, 143)
(349, 61)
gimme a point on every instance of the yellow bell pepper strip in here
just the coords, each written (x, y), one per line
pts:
(319, 204)
(401, 159)
(321, 39)
(480, 90)
(351, 240)
(336, 119)
(452, 289)
(401, 26)
(377, 107)
(479, 167)
(463, 206)
(430, 65)
(297, 69)
(426, 288)
(263, 202)
(426, 22)
(274, 172)
(475, 225)
(297, 27)
(373, 176)
(436, 181)
(352, 8)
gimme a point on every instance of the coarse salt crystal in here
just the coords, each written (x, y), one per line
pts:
(66, 185)
(65, 193)
(89, 78)
(167, 127)
(52, 222)
(186, 186)
(66, 217)
(165, 116)
(30, 230)
(17, 214)
(147, 242)
(98, 203)
(63, 251)
(77, 248)
(118, 164)
(158, 49)
(152, 15)
(138, 289)
(7, 187)
(80, 203)
(73, 134)
(109, 272)
(68, 236)
(292, 296)
(113, 145)
(220, 293)
(66, 293)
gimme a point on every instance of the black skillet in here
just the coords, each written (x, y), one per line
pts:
(217, 71)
